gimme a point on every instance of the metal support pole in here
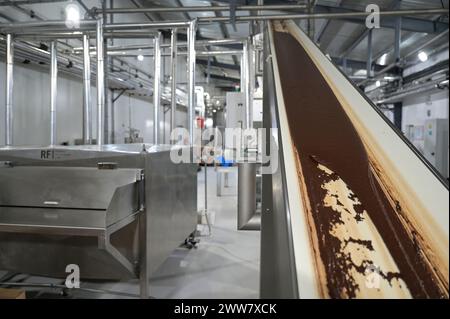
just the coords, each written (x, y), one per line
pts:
(87, 109)
(398, 110)
(398, 38)
(260, 23)
(112, 134)
(100, 82)
(191, 77)
(208, 70)
(156, 87)
(369, 54)
(9, 90)
(242, 71)
(247, 217)
(173, 76)
(245, 81)
(53, 91)
(113, 119)
(108, 98)
(250, 80)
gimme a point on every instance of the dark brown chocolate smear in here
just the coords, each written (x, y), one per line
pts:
(322, 133)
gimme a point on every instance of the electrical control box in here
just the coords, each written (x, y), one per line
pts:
(436, 144)
(235, 108)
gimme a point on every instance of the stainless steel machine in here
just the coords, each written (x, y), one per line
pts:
(116, 211)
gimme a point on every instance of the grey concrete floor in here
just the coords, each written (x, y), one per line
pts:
(224, 264)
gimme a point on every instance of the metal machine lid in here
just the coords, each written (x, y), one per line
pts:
(62, 187)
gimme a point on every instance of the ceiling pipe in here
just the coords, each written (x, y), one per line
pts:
(202, 9)
(6, 3)
(422, 87)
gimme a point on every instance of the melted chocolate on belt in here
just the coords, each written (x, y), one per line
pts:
(322, 133)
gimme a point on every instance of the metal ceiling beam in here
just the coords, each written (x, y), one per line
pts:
(393, 5)
(224, 78)
(408, 23)
(203, 8)
(440, 66)
(225, 34)
(325, 25)
(354, 64)
(185, 14)
(350, 63)
(138, 5)
(355, 43)
(5, 3)
(219, 65)
(181, 37)
(321, 12)
(381, 73)
(5, 17)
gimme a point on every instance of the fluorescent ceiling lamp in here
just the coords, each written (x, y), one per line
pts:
(72, 16)
(423, 56)
(383, 59)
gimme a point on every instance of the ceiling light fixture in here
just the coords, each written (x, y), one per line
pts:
(72, 16)
(423, 56)
(383, 59)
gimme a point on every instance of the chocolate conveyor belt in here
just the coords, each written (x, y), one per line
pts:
(356, 212)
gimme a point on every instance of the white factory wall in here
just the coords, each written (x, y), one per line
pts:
(31, 109)
(417, 109)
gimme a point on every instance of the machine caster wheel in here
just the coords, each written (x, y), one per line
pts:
(191, 242)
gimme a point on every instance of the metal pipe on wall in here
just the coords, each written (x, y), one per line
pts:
(87, 109)
(9, 90)
(191, 78)
(173, 76)
(156, 87)
(100, 82)
(53, 91)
